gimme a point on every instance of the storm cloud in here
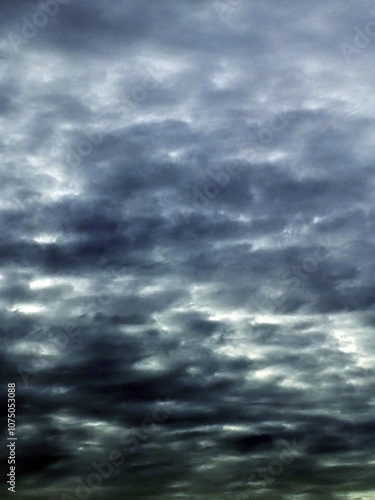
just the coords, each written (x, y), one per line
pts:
(187, 248)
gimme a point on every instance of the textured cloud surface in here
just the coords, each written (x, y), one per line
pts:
(187, 251)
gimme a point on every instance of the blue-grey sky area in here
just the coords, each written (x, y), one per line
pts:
(187, 248)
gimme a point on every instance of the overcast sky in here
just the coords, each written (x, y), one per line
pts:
(187, 231)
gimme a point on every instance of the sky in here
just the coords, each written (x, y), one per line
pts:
(187, 248)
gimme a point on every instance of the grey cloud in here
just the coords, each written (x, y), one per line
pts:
(187, 220)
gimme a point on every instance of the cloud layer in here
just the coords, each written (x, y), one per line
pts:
(188, 232)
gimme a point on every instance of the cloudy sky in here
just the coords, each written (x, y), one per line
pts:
(187, 248)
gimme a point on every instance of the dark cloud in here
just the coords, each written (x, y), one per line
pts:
(187, 232)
